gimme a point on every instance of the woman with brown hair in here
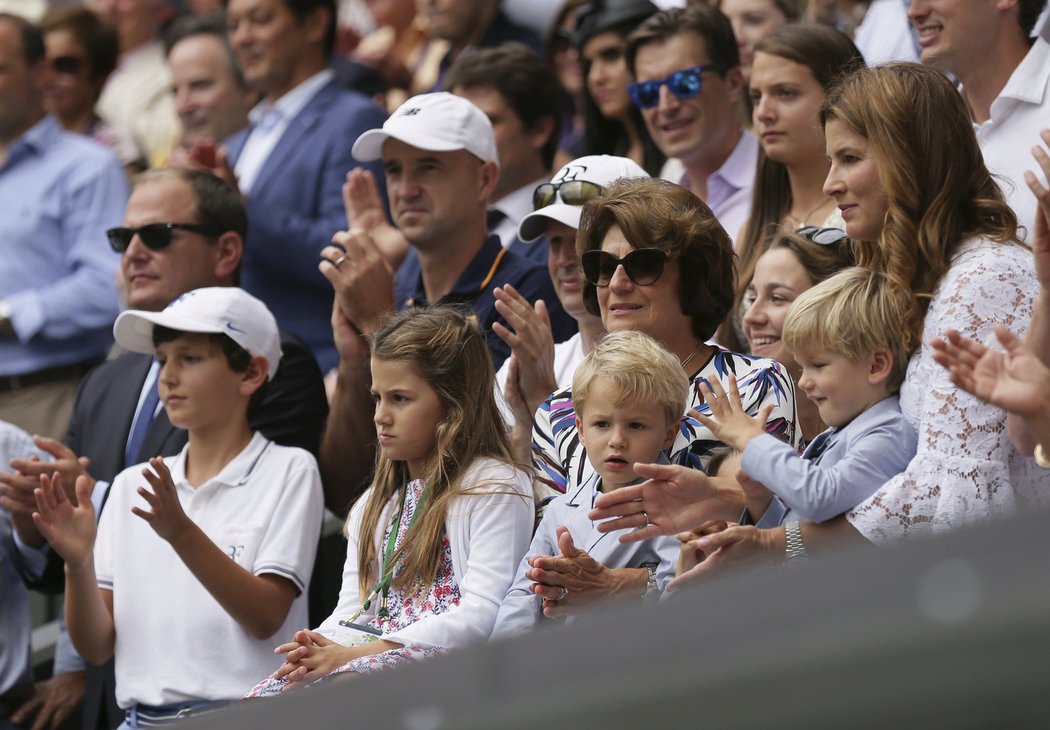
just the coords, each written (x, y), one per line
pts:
(909, 178)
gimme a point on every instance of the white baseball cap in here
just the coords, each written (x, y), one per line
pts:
(225, 310)
(602, 170)
(438, 122)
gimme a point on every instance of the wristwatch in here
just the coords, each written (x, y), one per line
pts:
(650, 583)
(796, 549)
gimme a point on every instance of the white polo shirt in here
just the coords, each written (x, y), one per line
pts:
(1017, 114)
(174, 641)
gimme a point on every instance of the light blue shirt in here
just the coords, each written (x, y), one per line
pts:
(59, 193)
(522, 610)
(16, 560)
(839, 469)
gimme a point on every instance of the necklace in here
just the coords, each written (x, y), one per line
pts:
(803, 221)
(690, 356)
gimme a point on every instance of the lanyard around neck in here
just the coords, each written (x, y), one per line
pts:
(382, 587)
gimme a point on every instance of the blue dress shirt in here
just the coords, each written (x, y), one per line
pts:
(60, 193)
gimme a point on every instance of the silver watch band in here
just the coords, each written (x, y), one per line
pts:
(796, 549)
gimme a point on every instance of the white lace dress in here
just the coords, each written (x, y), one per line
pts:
(966, 470)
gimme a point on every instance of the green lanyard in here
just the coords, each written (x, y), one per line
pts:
(382, 588)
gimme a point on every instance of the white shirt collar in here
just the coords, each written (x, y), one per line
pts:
(287, 106)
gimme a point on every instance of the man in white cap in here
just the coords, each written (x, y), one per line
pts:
(537, 366)
(439, 156)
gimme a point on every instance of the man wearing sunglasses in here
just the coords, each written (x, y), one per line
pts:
(688, 86)
(184, 229)
(58, 194)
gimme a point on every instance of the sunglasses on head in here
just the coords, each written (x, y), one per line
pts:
(573, 192)
(643, 266)
(69, 65)
(155, 236)
(684, 84)
(823, 236)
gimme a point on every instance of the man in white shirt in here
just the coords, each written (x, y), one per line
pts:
(1004, 75)
(688, 85)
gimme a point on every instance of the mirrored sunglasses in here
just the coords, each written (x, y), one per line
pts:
(643, 266)
(823, 236)
(69, 65)
(573, 192)
(155, 236)
(684, 84)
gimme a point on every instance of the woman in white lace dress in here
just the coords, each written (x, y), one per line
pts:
(912, 186)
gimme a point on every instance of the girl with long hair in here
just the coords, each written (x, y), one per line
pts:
(434, 542)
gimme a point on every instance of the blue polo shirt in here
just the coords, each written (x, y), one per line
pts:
(492, 266)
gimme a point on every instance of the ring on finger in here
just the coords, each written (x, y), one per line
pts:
(338, 262)
(564, 592)
(647, 520)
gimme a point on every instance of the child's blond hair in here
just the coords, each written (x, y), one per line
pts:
(854, 313)
(638, 368)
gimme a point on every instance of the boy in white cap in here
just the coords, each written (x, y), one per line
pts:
(199, 558)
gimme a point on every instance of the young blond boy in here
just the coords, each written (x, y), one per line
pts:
(200, 558)
(852, 334)
(629, 394)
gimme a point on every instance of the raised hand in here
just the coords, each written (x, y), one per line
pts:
(362, 278)
(1016, 381)
(70, 529)
(165, 515)
(531, 343)
(1041, 235)
(729, 422)
(366, 212)
(570, 580)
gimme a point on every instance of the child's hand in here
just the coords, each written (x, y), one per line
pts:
(166, 517)
(313, 660)
(729, 422)
(70, 530)
(690, 555)
(292, 655)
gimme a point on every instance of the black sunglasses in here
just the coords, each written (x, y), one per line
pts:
(643, 266)
(155, 236)
(573, 192)
(69, 65)
(823, 236)
(684, 84)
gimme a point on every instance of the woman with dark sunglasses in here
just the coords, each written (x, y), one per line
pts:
(81, 54)
(793, 263)
(791, 72)
(655, 260)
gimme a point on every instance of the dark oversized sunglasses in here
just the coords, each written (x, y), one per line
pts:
(643, 266)
(573, 192)
(684, 84)
(156, 236)
(69, 65)
(823, 236)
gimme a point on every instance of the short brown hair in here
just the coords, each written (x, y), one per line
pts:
(706, 21)
(655, 213)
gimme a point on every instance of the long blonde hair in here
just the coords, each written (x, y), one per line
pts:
(930, 167)
(447, 350)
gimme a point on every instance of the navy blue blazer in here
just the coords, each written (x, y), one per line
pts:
(294, 207)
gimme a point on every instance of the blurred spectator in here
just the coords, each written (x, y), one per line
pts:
(753, 20)
(400, 50)
(211, 97)
(521, 97)
(885, 34)
(60, 193)
(81, 54)
(468, 24)
(612, 125)
(563, 56)
(137, 97)
(291, 164)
